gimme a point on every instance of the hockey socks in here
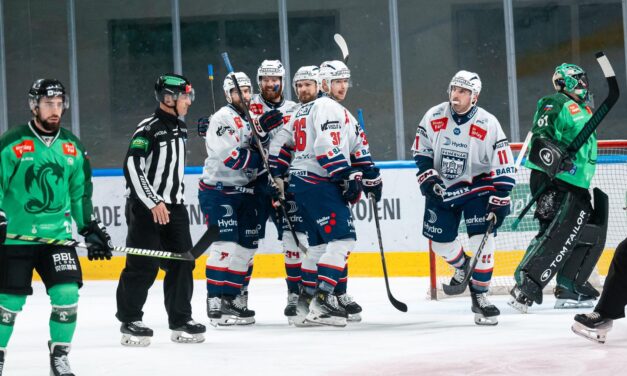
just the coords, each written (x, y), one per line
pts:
(64, 300)
(10, 306)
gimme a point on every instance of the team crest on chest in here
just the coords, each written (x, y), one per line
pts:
(453, 163)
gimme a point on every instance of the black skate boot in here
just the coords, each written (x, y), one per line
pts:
(519, 301)
(3, 352)
(242, 301)
(59, 363)
(325, 310)
(190, 332)
(583, 296)
(290, 308)
(592, 326)
(214, 310)
(486, 313)
(353, 310)
(235, 313)
(135, 334)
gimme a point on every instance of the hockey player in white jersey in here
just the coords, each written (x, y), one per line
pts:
(465, 166)
(226, 196)
(325, 176)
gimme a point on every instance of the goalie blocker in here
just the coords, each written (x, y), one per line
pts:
(570, 242)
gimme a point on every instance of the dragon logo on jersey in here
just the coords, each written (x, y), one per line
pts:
(453, 163)
(42, 182)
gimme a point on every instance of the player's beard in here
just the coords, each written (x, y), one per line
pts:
(306, 98)
(48, 126)
(271, 95)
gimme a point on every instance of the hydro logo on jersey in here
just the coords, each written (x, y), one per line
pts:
(453, 163)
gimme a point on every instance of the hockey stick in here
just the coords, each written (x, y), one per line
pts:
(210, 236)
(185, 256)
(459, 289)
(523, 150)
(397, 304)
(341, 43)
(587, 130)
(262, 151)
(210, 75)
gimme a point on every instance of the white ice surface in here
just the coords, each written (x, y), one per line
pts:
(433, 338)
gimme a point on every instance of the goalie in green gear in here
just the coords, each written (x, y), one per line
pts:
(572, 233)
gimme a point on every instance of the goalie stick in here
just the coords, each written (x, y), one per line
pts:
(397, 304)
(461, 287)
(587, 130)
(185, 256)
(262, 151)
(341, 43)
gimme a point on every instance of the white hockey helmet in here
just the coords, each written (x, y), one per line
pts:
(466, 80)
(308, 72)
(272, 68)
(333, 70)
(242, 80)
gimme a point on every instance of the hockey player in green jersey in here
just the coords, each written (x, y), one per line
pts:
(572, 234)
(45, 181)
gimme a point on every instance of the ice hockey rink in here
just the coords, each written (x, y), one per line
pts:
(432, 338)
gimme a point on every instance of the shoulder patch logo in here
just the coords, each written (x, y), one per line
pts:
(238, 122)
(69, 149)
(548, 107)
(256, 108)
(574, 108)
(26, 146)
(477, 132)
(140, 143)
(439, 124)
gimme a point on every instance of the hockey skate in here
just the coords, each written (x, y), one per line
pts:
(519, 301)
(592, 326)
(353, 310)
(135, 334)
(214, 310)
(241, 300)
(190, 332)
(583, 297)
(486, 313)
(290, 308)
(325, 310)
(234, 312)
(59, 363)
(302, 310)
(2, 354)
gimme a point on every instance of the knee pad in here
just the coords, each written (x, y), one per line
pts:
(10, 306)
(64, 300)
(337, 251)
(238, 262)
(219, 254)
(290, 249)
(450, 251)
(310, 261)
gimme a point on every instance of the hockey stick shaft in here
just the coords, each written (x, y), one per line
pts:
(460, 288)
(185, 256)
(210, 76)
(397, 304)
(262, 151)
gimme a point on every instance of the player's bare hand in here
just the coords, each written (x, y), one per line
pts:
(160, 214)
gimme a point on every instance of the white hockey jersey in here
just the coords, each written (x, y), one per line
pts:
(230, 161)
(470, 157)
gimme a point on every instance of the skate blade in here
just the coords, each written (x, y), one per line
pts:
(323, 319)
(356, 317)
(134, 341)
(301, 322)
(570, 304)
(487, 321)
(228, 320)
(594, 335)
(179, 336)
(522, 308)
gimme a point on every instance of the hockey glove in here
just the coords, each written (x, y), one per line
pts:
(268, 121)
(203, 125)
(499, 206)
(3, 227)
(373, 185)
(431, 185)
(349, 181)
(98, 241)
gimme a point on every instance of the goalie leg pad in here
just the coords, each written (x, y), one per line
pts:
(547, 254)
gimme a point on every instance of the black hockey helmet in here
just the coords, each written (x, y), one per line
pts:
(46, 87)
(174, 85)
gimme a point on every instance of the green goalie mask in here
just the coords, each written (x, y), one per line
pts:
(572, 79)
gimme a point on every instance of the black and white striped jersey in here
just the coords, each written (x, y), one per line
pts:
(155, 163)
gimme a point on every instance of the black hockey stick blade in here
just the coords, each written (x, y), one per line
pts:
(397, 304)
(604, 108)
(341, 43)
(185, 256)
(210, 236)
(459, 289)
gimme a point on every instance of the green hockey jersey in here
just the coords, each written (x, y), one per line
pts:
(560, 119)
(42, 187)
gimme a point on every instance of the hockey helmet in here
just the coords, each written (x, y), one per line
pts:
(46, 87)
(242, 80)
(571, 78)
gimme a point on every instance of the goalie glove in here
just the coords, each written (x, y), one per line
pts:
(431, 185)
(98, 241)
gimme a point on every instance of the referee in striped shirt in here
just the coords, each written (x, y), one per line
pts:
(156, 217)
